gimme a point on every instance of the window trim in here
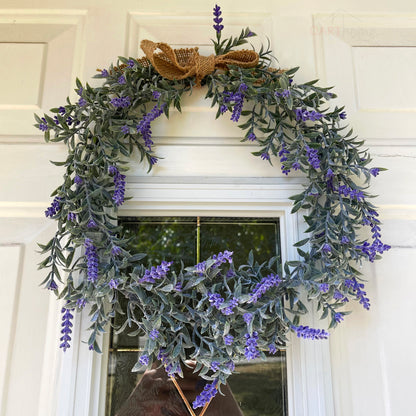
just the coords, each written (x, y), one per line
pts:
(82, 389)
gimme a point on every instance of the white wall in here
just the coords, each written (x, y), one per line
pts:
(365, 48)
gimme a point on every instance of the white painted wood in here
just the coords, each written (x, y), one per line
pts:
(10, 273)
(33, 42)
(353, 45)
(370, 58)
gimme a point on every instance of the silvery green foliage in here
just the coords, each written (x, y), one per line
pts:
(293, 125)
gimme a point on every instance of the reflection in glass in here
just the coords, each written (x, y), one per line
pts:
(260, 388)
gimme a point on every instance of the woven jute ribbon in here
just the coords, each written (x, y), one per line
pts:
(183, 63)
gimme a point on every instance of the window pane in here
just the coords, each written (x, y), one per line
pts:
(240, 235)
(260, 387)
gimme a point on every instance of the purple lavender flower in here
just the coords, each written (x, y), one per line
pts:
(56, 120)
(82, 102)
(201, 267)
(221, 258)
(144, 125)
(352, 193)
(81, 302)
(52, 285)
(228, 339)
(329, 174)
(375, 171)
(284, 94)
(272, 349)
(248, 317)
(296, 165)
(250, 351)
(154, 333)
(338, 295)
(61, 110)
(359, 292)
(54, 208)
(156, 95)
(144, 359)
(217, 19)
(153, 160)
(371, 250)
(80, 91)
(313, 158)
(116, 250)
(215, 300)
(72, 217)
(266, 284)
(172, 369)
(283, 152)
(345, 240)
(232, 303)
(209, 392)
(113, 283)
(66, 328)
(265, 156)
(156, 273)
(112, 170)
(78, 180)
(304, 115)
(310, 333)
(343, 115)
(91, 224)
(251, 137)
(121, 102)
(230, 365)
(230, 274)
(131, 63)
(104, 73)
(324, 287)
(125, 129)
(92, 260)
(223, 109)
(44, 125)
(326, 248)
(119, 185)
(121, 80)
(178, 287)
(215, 366)
(339, 317)
(237, 98)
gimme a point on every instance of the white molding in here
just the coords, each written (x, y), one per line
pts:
(11, 259)
(48, 27)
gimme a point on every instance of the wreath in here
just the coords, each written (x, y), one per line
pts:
(214, 312)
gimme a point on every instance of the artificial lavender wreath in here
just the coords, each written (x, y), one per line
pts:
(214, 312)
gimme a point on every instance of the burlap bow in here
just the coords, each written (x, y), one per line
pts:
(183, 63)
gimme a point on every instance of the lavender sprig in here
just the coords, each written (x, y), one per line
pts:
(66, 330)
(209, 392)
(92, 260)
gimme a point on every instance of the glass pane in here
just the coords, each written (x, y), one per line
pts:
(170, 239)
(240, 235)
(260, 387)
(121, 381)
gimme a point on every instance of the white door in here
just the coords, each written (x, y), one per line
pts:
(366, 49)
